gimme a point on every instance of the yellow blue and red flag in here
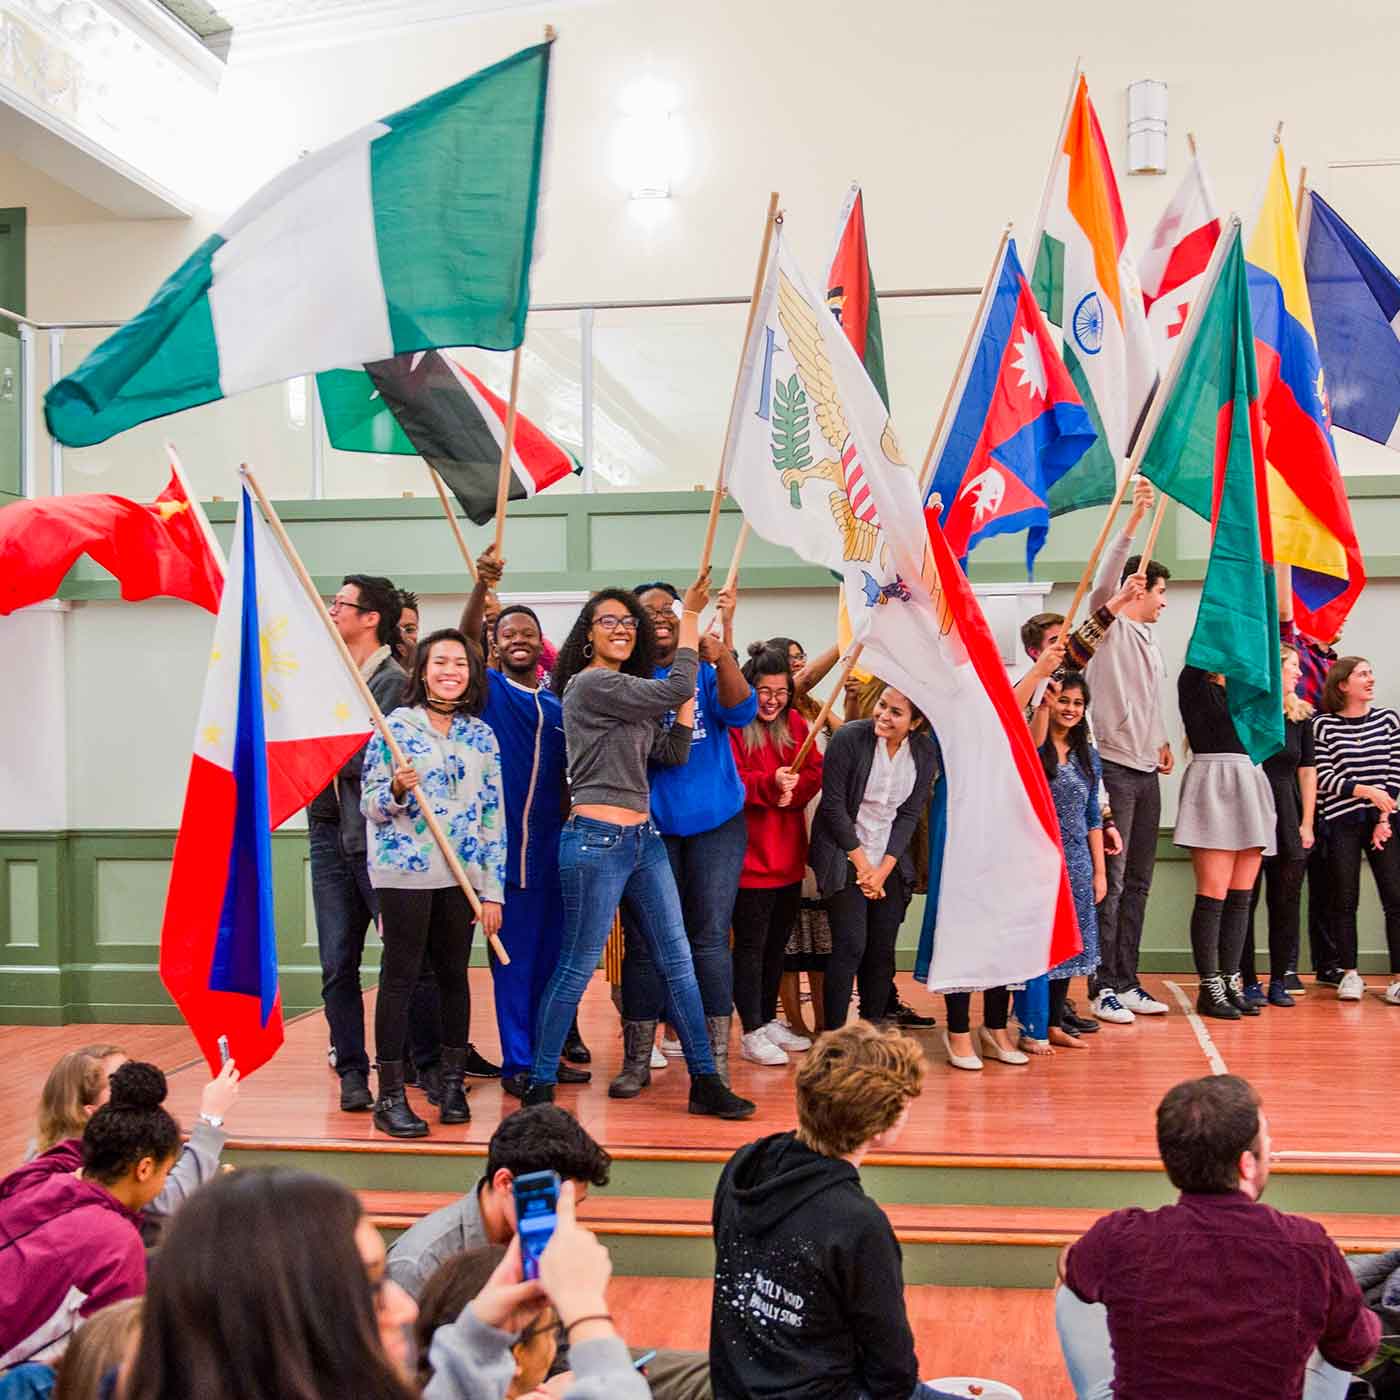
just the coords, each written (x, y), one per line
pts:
(1312, 526)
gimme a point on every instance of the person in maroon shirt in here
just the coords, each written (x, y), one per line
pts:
(1217, 1294)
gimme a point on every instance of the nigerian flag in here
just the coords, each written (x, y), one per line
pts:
(1205, 449)
(414, 232)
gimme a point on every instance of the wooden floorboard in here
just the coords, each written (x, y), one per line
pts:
(1005, 1334)
(1318, 1067)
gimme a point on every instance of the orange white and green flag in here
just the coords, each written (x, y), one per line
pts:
(1087, 285)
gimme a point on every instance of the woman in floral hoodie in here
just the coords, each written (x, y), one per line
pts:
(453, 762)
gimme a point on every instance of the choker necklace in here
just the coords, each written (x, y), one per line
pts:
(440, 707)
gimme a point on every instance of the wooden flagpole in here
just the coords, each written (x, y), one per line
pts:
(1054, 161)
(825, 712)
(507, 450)
(732, 577)
(770, 223)
(1153, 532)
(451, 514)
(376, 714)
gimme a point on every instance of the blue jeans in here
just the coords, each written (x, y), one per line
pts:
(345, 904)
(600, 865)
(706, 867)
(1088, 1353)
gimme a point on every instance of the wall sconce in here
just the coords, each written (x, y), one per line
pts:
(1147, 127)
(296, 402)
(646, 141)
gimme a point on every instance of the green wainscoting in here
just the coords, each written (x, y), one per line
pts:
(80, 917)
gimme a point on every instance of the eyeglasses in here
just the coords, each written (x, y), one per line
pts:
(611, 622)
(764, 693)
(336, 604)
(797, 658)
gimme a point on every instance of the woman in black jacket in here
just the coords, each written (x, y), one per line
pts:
(875, 783)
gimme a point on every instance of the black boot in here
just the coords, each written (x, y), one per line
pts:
(354, 1091)
(574, 1048)
(1213, 1001)
(392, 1114)
(430, 1081)
(637, 1039)
(1234, 991)
(718, 1028)
(537, 1093)
(709, 1094)
(455, 1108)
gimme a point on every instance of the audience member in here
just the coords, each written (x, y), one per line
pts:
(71, 1241)
(539, 1139)
(528, 722)
(698, 807)
(1129, 679)
(770, 884)
(609, 850)
(425, 912)
(406, 646)
(1225, 817)
(99, 1357)
(875, 784)
(809, 1287)
(1217, 1294)
(1292, 775)
(1357, 747)
(366, 611)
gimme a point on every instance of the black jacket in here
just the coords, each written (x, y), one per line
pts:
(845, 772)
(809, 1282)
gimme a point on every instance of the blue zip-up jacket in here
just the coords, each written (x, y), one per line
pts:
(706, 790)
(529, 728)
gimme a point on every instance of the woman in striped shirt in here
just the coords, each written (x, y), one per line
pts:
(1357, 746)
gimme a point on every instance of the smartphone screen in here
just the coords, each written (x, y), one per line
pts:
(536, 1199)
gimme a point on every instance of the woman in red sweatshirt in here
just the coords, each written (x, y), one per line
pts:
(770, 886)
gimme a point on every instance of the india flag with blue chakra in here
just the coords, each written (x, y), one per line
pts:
(415, 232)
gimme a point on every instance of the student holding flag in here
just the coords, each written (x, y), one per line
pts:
(425, 912)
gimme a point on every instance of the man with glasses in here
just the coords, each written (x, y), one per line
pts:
(366, 612)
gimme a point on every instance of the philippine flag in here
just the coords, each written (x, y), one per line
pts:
(280, 716)
(1018, 427)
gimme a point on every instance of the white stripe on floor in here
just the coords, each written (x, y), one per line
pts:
(1213, 1056)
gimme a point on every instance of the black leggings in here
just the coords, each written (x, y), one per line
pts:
(763, 922)
(1346, 844)
(996, 1007)
(1281, 882)
(436, 923)
(1059, 995)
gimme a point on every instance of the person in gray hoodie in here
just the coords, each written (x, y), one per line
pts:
(1129, 682)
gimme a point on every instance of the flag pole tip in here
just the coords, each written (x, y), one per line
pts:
(1278, 134)
(550, 34)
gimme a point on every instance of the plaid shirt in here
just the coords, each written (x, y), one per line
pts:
(1313, 658)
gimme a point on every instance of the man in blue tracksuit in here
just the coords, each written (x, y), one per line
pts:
(699, 810)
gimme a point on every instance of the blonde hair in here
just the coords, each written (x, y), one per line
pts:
(1294, 706)
(97, 1346)
(853, 1084)
(74, 1085)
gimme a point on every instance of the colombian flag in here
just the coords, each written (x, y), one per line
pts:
(1312, 525)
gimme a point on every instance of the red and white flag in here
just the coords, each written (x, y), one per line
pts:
(1176, 258)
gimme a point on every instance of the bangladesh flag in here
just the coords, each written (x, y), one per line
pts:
(413, 232)
(1206, 450)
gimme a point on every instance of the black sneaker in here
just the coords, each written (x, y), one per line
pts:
(1328, 977)
(479, 1068)
(1293, 984)
(355, 1096)
(1074, 1023)
(536, 1094)
(908, 1019)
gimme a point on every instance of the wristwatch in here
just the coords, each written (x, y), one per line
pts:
(213, 1119)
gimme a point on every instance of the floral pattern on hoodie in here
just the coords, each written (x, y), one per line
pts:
(461, 778)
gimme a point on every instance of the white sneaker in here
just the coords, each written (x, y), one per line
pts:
(785, 1039)
(1140, 1004)
(1107, 1007)
(1351, 988)
(671, 1045)
(757, 1047)
(658, 1060)
(1392, 993)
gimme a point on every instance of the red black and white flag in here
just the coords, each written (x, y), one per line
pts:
(1174, 264)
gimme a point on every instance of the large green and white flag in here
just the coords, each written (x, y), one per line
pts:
(414, 232)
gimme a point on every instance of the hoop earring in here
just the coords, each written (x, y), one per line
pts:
(588, 651)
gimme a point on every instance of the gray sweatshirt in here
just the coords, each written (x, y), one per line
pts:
(1126, 675)
(611, 729)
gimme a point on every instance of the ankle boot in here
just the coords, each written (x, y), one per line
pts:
(392, 1114)
(637, 1039)
(710, 1095)
(455, 1108)
(718, 1029)
(575, 1051)
(1212, 1000)
(1234, 992)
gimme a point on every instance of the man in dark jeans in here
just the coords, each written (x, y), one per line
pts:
(366, 614)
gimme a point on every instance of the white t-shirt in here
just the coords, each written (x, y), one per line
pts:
(890, 783)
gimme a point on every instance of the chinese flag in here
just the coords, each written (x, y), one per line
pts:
(157, 550)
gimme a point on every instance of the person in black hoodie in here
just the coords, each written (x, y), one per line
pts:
(809, 1283)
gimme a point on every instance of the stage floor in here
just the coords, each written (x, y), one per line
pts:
(1322, 1069)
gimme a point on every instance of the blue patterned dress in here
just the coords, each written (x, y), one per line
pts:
(1077, 806)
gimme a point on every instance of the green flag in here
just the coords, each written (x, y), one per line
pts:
(1205, 449)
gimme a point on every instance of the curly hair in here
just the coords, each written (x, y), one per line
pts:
(473, 699)
(1079, 741)
(571, 659)
(853, 1084)
(130, 1125)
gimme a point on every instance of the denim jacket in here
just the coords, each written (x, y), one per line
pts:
(461, 774)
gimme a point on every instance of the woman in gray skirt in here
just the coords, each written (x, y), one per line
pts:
(1226, 819)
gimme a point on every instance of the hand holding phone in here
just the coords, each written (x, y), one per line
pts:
(536, 1207)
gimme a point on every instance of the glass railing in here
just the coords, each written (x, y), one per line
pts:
(638, 392)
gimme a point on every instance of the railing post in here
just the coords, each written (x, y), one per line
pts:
(28, 485)
(55, 447)
(318, 456)
(585, 382)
